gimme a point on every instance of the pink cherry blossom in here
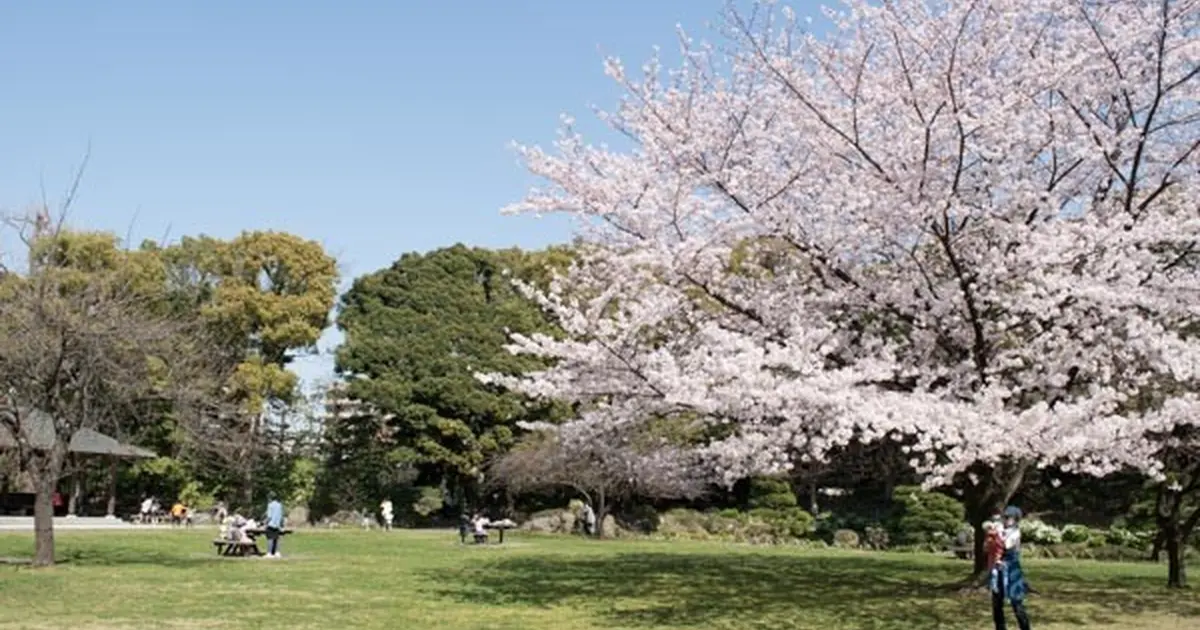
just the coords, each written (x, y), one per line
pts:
(973, 223)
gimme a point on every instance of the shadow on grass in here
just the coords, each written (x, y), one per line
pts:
(110, 557)
(665, 589)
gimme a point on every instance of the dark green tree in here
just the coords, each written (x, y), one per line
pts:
(417, 333)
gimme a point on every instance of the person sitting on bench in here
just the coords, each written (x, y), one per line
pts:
(238, 525)
(480, 524)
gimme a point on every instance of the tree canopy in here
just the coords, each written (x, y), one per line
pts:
(417, 333)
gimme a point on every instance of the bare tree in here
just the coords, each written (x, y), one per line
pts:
(85, 341)
(605, 469)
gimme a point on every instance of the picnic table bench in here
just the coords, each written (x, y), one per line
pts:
(237, 549)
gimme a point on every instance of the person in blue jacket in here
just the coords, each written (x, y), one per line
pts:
(274, 526)
(1007, 580)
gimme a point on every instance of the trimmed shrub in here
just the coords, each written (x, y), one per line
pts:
(876, 538)
(1083, 551)
(682, 522)
(845, 539)
(1123, 537)
(771, 493)
(761, 526)
(926, 517)
(785, 523)
(1039, 533)
(1073, 534)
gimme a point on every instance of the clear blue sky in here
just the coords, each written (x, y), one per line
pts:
(375, 127)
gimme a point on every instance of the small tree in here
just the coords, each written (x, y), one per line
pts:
(85, 342)
(605, 468)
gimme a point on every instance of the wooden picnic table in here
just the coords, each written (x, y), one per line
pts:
(235, 549)
(501, 527)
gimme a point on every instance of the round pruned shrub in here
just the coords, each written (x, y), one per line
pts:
(845, 539)
(925, 517)
(771, 493)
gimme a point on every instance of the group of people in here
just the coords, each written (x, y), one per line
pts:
(151, 513)
(476, 525)
(237, 528)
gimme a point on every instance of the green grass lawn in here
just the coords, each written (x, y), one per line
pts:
(173, 579)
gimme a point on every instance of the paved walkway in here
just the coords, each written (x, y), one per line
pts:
(25, 523)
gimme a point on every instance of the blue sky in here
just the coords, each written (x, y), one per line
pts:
(374, 127)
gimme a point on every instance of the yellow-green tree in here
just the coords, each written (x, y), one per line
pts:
(266, 296)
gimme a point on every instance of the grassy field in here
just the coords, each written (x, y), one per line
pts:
(173, 579)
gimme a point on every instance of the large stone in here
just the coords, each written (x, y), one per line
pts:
(550, 522)
(297, 516)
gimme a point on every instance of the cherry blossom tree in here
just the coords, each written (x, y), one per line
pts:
(603, 463)
(968, 224)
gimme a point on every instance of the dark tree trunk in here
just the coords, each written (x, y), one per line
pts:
(76, 493)
(814, 507)
(1176, 571)
(601, 512)
(43, 520)
(979, 556)
(111, 509)
(997, 486)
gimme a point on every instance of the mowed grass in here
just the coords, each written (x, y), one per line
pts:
(408, 579)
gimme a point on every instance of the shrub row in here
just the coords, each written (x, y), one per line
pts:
(760, 525)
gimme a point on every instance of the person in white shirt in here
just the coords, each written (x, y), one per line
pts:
(147, 511)
(589, 520)
(385, 511)
(480, 523)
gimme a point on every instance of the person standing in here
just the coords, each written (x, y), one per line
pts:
(385, 511)
(589, 519)
(274, 527)
(464, 527)
(145, 514)
(1006, 578)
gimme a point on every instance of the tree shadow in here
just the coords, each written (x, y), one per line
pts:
(108, 555)
(125, 556)
(853, 591)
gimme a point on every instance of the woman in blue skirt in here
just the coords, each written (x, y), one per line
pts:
(1007, 580)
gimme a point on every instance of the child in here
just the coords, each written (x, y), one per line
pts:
(994, 543)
